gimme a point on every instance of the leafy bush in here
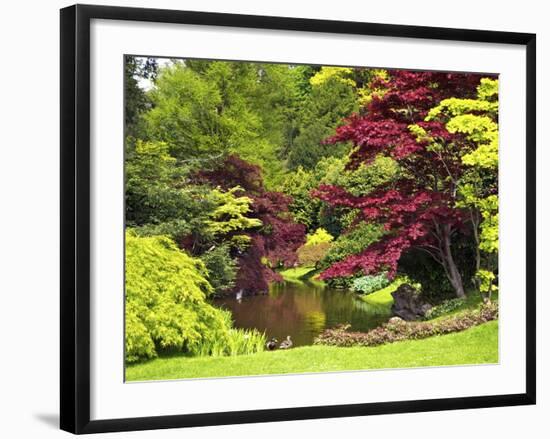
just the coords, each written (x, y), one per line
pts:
(310, 255)
(236, 342)
(423, 270)
(486, 281)
(370, 284)
(221, 267)
(304, 208)
(166, 307)
(445, 307)
(354, 241)
(320, 236)
(397, 329)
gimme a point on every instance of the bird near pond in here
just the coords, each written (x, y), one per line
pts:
(286, 344)
(239, 296)
(271, 345)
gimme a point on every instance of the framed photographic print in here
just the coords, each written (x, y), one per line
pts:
(304, 218)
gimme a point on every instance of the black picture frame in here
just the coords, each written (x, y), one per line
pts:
(75, 217)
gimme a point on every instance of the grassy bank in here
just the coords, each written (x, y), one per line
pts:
(473, 346)
(382, 298)
(297, 273)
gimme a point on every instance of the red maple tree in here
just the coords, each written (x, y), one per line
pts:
(417, 210)
(276, 241)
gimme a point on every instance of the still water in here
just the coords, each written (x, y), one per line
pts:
(302, 310)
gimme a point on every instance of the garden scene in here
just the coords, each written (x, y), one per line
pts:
(300, 218)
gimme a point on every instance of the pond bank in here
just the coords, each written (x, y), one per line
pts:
(301, 309)
(478, 345)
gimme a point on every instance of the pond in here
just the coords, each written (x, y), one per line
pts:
(302, 310)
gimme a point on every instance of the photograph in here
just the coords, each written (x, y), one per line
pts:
(295, 218)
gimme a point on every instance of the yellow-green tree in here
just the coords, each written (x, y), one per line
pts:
(477, 121)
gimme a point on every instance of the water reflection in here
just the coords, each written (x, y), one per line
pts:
(301, 310)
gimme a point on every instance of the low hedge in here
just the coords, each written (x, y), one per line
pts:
(398, 329)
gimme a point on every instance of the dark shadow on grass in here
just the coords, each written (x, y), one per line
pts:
(49, 419)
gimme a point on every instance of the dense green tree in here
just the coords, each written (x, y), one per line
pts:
(477, 121)
(355, 240)
(221, 267)
(135, 99)
(159, 199)
(206, 110)
(188, 115)
(327, 104)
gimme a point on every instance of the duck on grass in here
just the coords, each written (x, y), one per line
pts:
(271, 345)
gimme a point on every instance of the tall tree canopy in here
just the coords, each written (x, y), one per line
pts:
(419, 209)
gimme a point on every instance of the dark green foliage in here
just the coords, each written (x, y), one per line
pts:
(159, 199)
(135, 99)
(445, 307)
(370, 284)
(357, 239)
(304, 207)
(221, 268)
(398, 330)
(326, 105)
(422, 269)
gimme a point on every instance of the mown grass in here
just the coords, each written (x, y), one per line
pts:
(382, 300)
(473, 300)
(474, 346)
(297, 273)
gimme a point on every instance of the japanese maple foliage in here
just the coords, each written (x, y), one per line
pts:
(276, 241)
(419, 208)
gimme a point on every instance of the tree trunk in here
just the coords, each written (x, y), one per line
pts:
(449, 264)
(474, 215)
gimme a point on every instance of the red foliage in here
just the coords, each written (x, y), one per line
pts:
(253, 276)
(419, 209)
(234, 171)
(279, 237)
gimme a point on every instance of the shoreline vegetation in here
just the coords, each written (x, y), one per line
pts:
(347, 184)
(478, 345)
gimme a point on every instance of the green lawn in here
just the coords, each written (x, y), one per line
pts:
(383, 300)
(383, 297)
(473, 346)
(297, 273)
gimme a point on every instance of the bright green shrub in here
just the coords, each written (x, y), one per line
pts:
(166, 307)
(370, 284)
(229, 214)
(320, 236)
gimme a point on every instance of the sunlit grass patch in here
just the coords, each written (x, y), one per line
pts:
(478, 345)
